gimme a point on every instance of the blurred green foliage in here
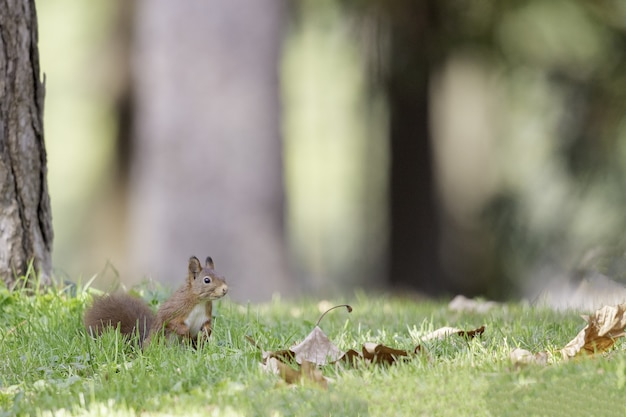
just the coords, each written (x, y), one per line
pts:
(74, 48)
(556, 80)
(555, 76)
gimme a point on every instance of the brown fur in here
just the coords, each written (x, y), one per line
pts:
(173, 313)
(131, 313)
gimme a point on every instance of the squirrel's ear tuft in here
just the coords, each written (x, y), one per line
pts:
(194, 266)
(209, 263)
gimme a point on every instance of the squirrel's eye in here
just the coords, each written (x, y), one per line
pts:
(207, 280)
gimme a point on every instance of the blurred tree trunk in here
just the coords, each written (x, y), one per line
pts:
(414, 231)
(206, 171)
(25, 216)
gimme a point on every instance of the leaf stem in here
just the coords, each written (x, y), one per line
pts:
(348, 307)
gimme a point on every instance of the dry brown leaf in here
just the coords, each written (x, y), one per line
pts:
(308, 372)
(462, 304)
(316, 348)
(604, 327)
(351, 357)
(377, 353)
(282, 355)
(374, 353)
(285, 355)
(382, 354)
(520, 357)
(449, 331)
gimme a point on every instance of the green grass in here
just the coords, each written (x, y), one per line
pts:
(49, 366)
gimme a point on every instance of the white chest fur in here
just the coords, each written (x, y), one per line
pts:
(196, 318)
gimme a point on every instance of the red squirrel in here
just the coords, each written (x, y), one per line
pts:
(185, 315)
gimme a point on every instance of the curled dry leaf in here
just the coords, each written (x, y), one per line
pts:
(375, 353)
(382, 354)
(316, 348)
(285, 355)
(604, 326)
(521, 357)
(448, 331)
(308, 372)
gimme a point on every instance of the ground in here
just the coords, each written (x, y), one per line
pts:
(50, 366)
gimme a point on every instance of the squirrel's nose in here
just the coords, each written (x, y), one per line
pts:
(224, 290)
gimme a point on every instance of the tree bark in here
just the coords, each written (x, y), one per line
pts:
(414, 230)
(206, 171)
(25, 215)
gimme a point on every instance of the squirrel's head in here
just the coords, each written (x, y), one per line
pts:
(206, 283)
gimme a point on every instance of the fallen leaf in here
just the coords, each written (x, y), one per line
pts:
(377, 353)
(521, 357)
(374, 353)
(604, 327)
(470, 334)
(382, 354)
(316, 348)
(308, 372)
(270, 365)
(311, 373)
(444, 332)
(351, 356)
(460, 303)
(285, 355)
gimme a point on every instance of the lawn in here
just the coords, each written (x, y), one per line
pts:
(51, 367)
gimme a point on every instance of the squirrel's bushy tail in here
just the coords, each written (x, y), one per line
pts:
(129, 313)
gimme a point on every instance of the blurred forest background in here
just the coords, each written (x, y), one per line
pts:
(316, 146)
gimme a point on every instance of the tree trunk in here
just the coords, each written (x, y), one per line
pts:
(25, 216)
(414, 231)
(206, 171)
